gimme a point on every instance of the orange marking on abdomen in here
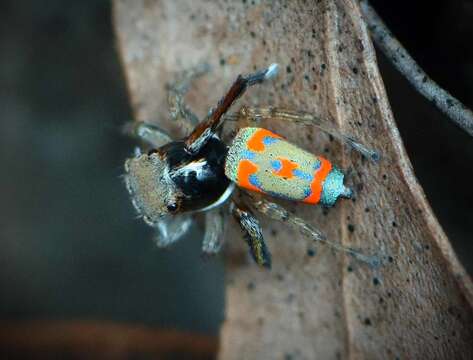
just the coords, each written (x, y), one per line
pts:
(245, 169)
(319, 178)
(287, 166)
(255, 142)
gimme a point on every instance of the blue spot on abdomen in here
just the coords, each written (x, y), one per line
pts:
(268, 140)
(302, 175)
(276, 165)
(249, 155)
(255, 181)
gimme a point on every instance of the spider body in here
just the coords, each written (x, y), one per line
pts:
(200, 177)
(260, 160)
(175, 179)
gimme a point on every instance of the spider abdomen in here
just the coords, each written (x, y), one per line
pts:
(262, 161)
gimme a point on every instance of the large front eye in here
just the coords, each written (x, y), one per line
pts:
(172, 207)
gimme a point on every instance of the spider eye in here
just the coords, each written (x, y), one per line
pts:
(172, 207)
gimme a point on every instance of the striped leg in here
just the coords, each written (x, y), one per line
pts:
(277, 212)
(253, 234)
(254, 116)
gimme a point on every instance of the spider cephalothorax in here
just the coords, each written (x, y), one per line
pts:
(198, 173)
(169, 180)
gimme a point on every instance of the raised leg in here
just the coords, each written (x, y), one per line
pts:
(277, 212)
(214, 230)
(151, 135)
(171, 229)
(253, 234)
(206, 129)
(177, 108)
(255, 115)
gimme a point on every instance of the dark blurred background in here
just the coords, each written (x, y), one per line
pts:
(70, 246)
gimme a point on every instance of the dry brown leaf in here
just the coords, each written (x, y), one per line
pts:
(418, 303)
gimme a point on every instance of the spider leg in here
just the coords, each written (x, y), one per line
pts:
(214, 230)
(171, 229)
(255, 115)
(177, 108)
(150, 134)
(253, 233)
(277, 212)
(206, 129)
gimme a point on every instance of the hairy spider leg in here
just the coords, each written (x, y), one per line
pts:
(279, 213)
(154, 136)
(206, 129)
(252, 232)
(150, 134)
(178, 109)
(215, 221)
(171, 229)
(249, 115)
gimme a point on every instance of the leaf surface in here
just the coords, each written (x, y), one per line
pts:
(417, 304)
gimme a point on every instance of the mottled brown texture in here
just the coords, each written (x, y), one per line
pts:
(312, 305)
